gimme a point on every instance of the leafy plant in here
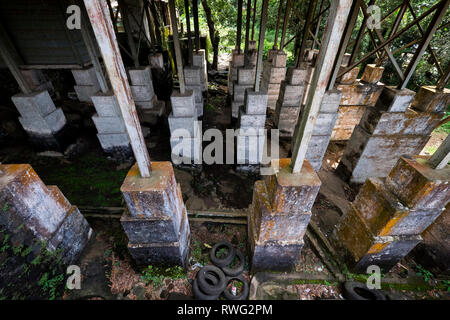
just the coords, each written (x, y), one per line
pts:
(421, 271)
(50, 285)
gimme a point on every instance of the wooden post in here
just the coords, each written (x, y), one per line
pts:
(176, 44)
(262, 32)
(104, 32)
(442, 155)
(337, 18)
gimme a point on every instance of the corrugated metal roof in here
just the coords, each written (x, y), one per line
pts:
(38, 30)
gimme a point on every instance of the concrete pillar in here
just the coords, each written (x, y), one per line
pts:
(386, 132)
(86, 83)
(111, 129)
(245, 79)
(186, 134)
(194, 80)
(388, 216)
(156, 60)
(147, 105)
(199, 60)
(156, 221)
(237, 60)
(279, 215)
(321, 135)
(251, 136)
(274, 72)
(357, 96)
(290, 100)
(33, 212)
(44, 123)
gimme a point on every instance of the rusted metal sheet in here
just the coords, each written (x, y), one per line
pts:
(98, 13)
(337, 19)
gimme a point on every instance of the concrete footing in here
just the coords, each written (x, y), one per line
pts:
(357, 96)
(199, 60)
(186, 134)
(251, 136)
(108, 120)
(147, 104)
(37, 81)
(388, 216)
(156, 221)
(290, 100)
(36, 213)
(237, 61)
(386, 132)
(194, 78)
(274, 72)
(279, 215)
(43, 122)
(86, 83)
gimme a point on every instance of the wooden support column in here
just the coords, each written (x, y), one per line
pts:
(92, 51)
(254, 20)
(126, 25)
(442, 155)
(277, 28)
(247, 25)
(104, 32)
(176, 45)
(12, 60)
(188, 30)
(285, 23)
(337, 19)
(239, 27)
(262, 33)
(306, 29)
(196, 25)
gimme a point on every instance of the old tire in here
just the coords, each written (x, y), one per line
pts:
(222, 262)
(243, 295)
(233, 272)
(199, 295)
(208, 287)
(359, 291)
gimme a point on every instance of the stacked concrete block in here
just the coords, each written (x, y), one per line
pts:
(386, 132)
(237, 61)
(199, 60)
(110, 126)
(156, 221)
(274, 72)
(156, 60)
(279, 215)
(357, 96)
(434, 252)
(34, 212)
(245, 80)
(251, 55)
(389, 215)
(290, 100)
(321, 136)
(147, 104)
(186, 133)
(194, 80)
(86, 83)
(42, 121)
(251, 136)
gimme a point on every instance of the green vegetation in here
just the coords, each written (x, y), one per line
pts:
(424, 273)
(156, 275)
(92, 180)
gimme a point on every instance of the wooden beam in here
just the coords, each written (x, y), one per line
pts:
(98, 13)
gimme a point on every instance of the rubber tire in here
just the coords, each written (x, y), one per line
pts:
(243, 296)
(350, 293)
(199, 295)
(205, 286)
(224, 261)
(236, 271)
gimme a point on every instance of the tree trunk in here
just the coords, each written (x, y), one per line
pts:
(213, 34)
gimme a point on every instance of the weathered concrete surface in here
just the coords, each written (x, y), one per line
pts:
(87, 83)
(417, 185)
(359, 93)
(43, 212)
(374, 156)
(372, 73)
(348, 118)
(349, 77)
(274, 72)
(279, 215)
(156, 221)
(199, 60)
(434, 252)
(428, 99)
(388, 216)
